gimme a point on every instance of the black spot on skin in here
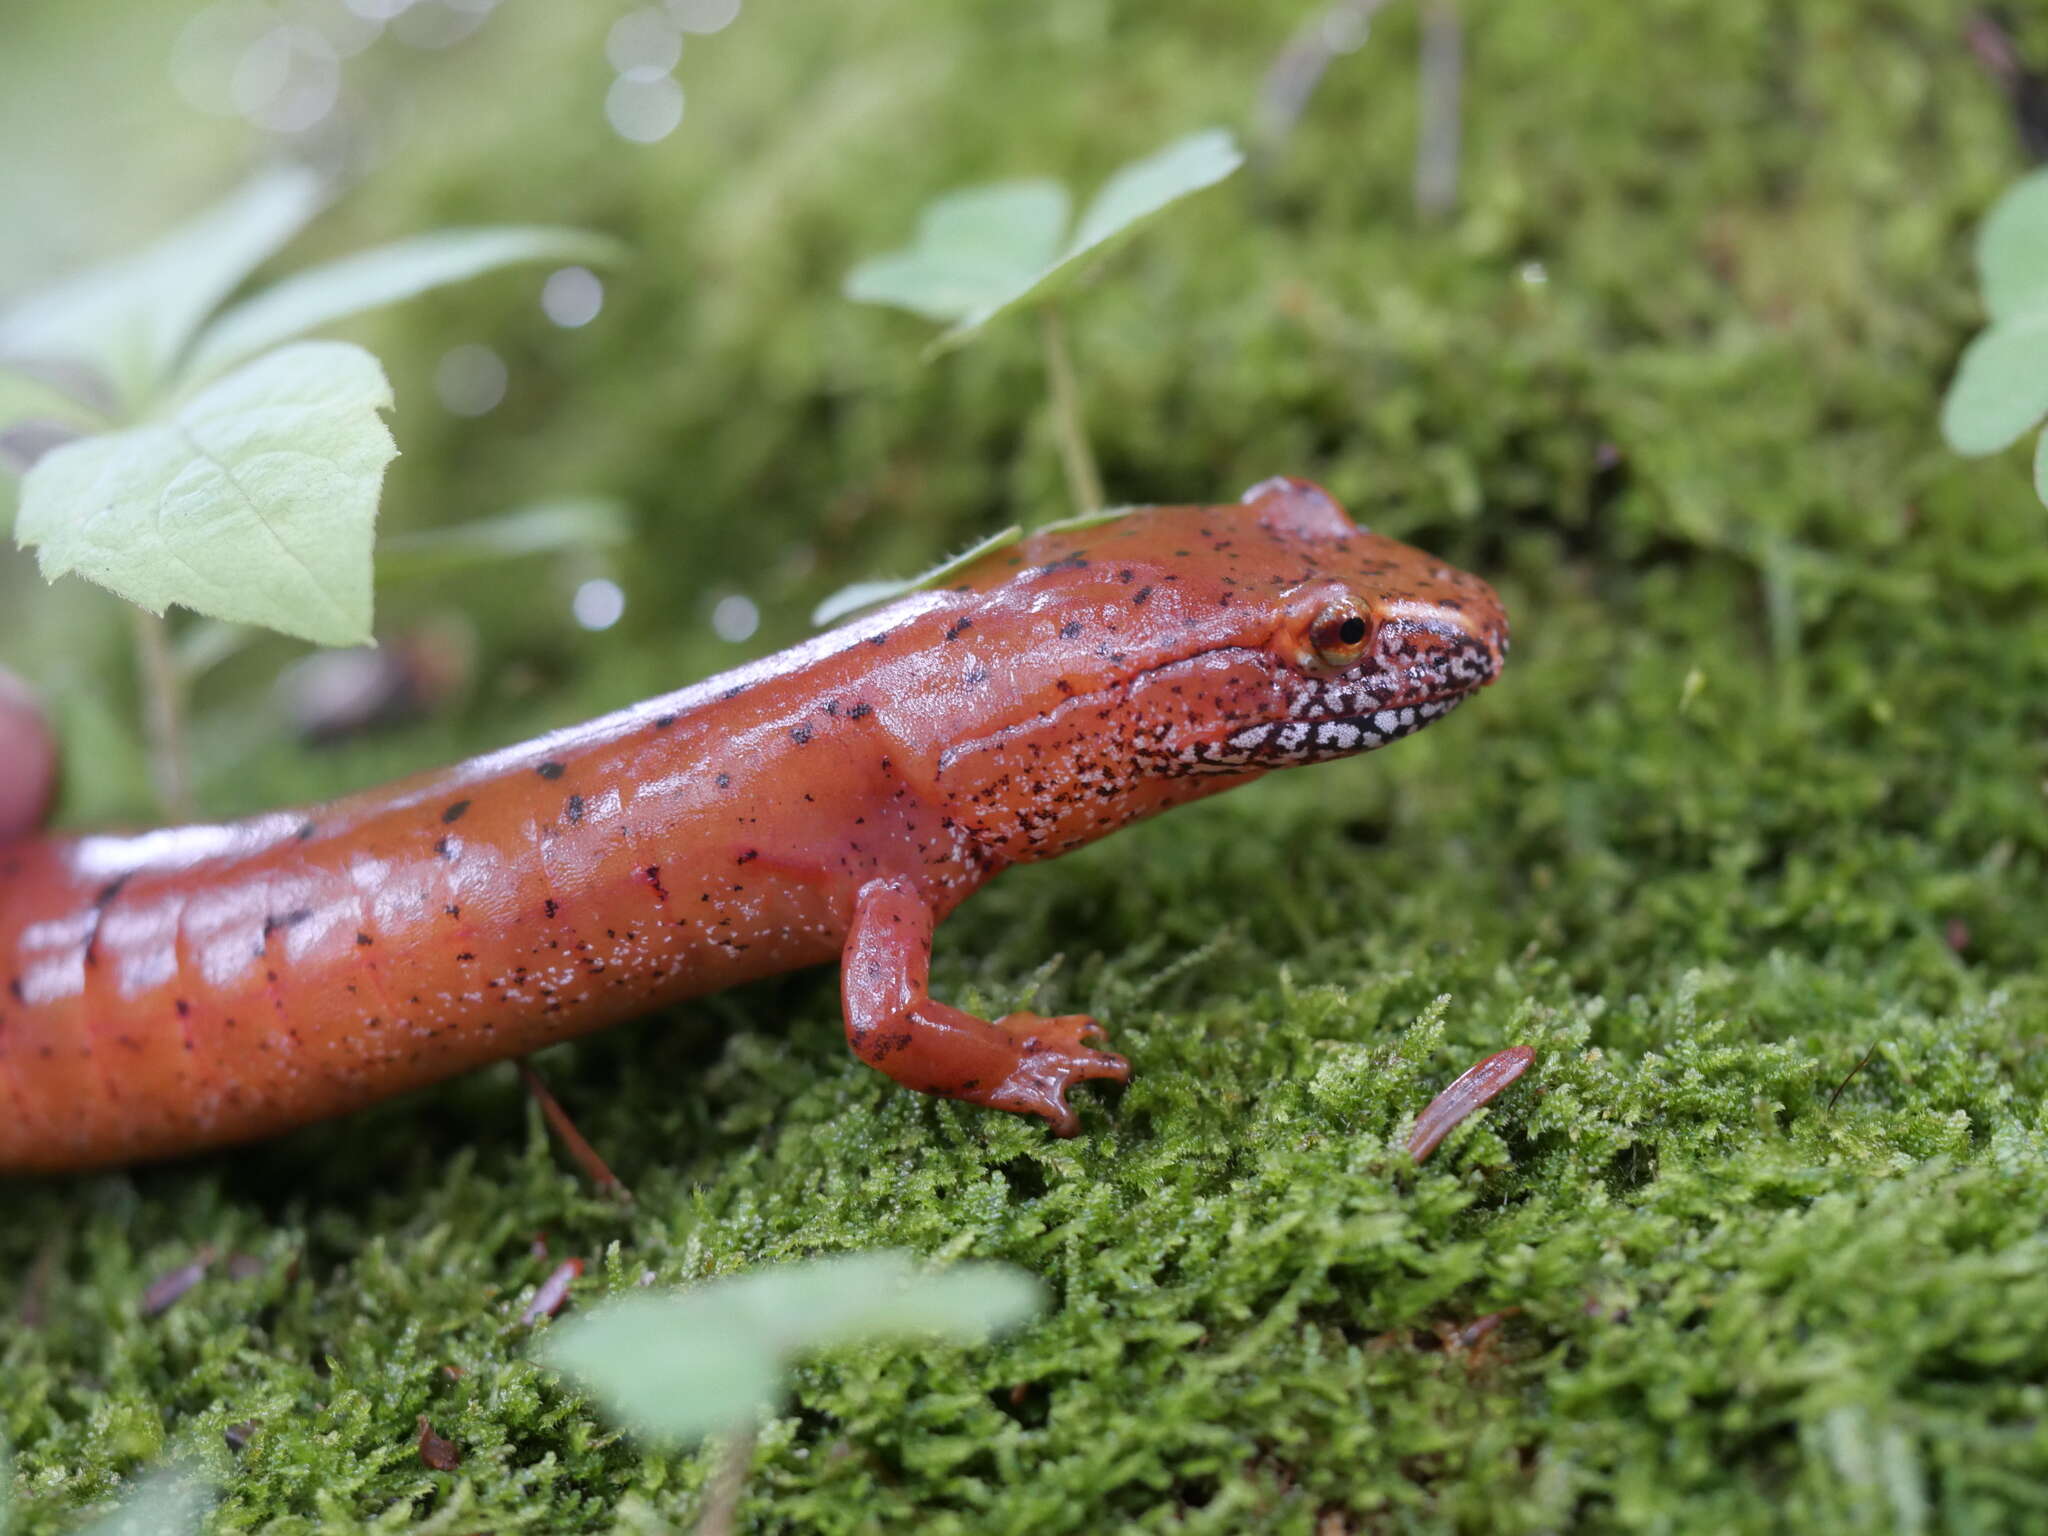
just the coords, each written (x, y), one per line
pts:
(444, 847)
(958, 628)
(184, 1008)
(1138, 597)
(859, 712)
(1073, 562)
(291, 919)
(454, 812)
(465, 955)
(734, 692)
(14, 988)
(109, 891)
(1070, 630)
(724, 781)
(748, 857)
(653, 876)
(663, 722)
(453, 910)
(975, 678)
(1124, 575)
(801, 735)
(364, 938)
(551, 770)
(550, 906)
(306, 830)
(573, 811)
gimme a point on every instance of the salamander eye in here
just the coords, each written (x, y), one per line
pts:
(1340, 634)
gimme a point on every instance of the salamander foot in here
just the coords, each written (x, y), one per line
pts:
(1022, 1062)
(1052, 1055)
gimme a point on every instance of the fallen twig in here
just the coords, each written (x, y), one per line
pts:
(1478, 1086)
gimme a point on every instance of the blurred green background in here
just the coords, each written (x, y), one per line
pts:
(1760, 794)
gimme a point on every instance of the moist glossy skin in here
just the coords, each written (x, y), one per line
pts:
(201, 985)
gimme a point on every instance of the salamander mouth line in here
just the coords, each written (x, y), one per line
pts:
(1305, 735)
(1294, 740)
(1252, 741)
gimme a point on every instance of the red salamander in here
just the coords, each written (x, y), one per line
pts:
(195, 986)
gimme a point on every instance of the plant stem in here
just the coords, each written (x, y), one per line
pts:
(162, 714)
(1084, 483)
(722, 1495)
(1442, 74)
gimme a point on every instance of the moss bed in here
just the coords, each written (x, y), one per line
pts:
(1759, 798)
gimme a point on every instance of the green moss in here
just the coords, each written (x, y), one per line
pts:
(1760, 796)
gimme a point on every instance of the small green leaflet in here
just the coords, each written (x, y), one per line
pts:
(1086, 519)
(545, 528)
(256, 502)
(975, 250)
(865, 594)
(307, 301)
(130, 320)
(980, 251)
(2001, 386)
(204, 495)
(170, 1501)
(2000, 390)
(681, 1366)
(2012, 250)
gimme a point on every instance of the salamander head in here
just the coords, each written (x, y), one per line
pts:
(1370, 640)
(1096, 674)
(1247, 636)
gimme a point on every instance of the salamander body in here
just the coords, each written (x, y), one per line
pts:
(200, 985)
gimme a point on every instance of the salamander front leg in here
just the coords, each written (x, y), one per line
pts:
(1023, 1063)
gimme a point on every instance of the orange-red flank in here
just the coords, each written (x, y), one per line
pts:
(200, 985)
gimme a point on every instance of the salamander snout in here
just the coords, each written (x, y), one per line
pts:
(1442, 630)
(1447, 644)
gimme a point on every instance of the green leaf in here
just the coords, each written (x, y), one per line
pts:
(1082, 520)
(688, 1364)
(975, 250)
(662, 1370)
(371, 279)
(131, 319)
(865, 594)
(981, 251)
(547, 528)
(1145, 186)
(2012, 250)
(256, 502)
(2041, 468)
(2000, 388)
(168, 1502)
